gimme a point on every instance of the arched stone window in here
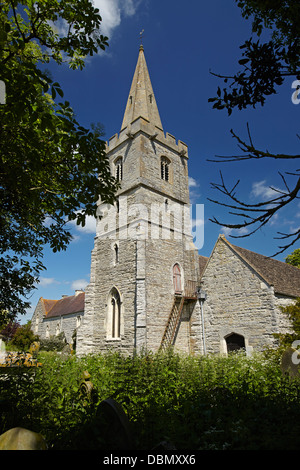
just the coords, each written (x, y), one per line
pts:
(114, 315)
(177, 281)
(119, 169)
(165, 168)
(234, 342)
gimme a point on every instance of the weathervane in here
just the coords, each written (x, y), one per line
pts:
(141, 36)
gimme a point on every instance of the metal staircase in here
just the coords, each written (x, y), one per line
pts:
(175, 315)
(172, 323)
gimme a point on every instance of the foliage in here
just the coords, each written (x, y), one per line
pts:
(270, 55)
(9, 329)
(22, 338)
(5, 317)
(205, 402)
(293, 313)
(54, 343)
(294, 258)
(19, 360)
(264, 64)
(52, 169)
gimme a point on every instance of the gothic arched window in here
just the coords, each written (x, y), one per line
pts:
(165, 168)
(119, 169)
(177, 279)
(114, 315)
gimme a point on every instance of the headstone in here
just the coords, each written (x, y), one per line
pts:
(2, 351)
(290, 363)
(87, 390)
(114, 425)
(22, 439)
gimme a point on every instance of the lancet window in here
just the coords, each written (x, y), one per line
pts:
(114, 315)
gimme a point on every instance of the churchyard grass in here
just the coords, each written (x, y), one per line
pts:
(193, 402)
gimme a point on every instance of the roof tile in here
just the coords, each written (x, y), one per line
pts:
(66, 305)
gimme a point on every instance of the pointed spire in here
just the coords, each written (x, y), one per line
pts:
(141, 101)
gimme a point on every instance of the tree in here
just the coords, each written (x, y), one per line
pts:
(293, 314)
(23, 337)
(294, 258)
(9, 330)
(264, 66)
(52, 169)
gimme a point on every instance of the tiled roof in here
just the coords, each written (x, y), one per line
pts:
(284, 277)
(48, 304)
(202, 263)
(64, 306)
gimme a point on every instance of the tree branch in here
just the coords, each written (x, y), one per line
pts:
(251, 152)
(260, 213)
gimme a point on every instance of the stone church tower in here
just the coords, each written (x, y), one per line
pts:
(144, 268)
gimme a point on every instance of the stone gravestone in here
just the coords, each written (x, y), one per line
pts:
(114, 425)
(22, 439)
(290, 363)
(2, 351)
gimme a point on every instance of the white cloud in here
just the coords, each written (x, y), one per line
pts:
(79, 284)
(260, 189)
(192, 182)
(47, 281)
(193, 189)
(197, 223)
(90, 226)
(227, 231)
(112, 12)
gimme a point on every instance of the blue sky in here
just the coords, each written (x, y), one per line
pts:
(183, 41)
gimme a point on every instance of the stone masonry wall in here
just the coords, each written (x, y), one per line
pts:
(106, 275)
(147, 248)
(37, 325)
(238, 301)
(51, 326)
(161, 255)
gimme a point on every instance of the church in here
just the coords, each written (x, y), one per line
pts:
(149, 287)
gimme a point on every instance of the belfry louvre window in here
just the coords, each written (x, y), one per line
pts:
(165, 168)
(119, 169)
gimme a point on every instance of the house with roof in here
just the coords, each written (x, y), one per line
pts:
(244, 292)
(52, 317)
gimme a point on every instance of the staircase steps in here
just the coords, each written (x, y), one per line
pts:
(173, 322)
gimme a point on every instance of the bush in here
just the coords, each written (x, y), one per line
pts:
(195, 402)
(22, 338)
(8, 331)
(54, 343)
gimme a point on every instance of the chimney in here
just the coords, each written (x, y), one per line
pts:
(79, 291)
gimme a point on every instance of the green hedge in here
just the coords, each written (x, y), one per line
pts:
(210, 402)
